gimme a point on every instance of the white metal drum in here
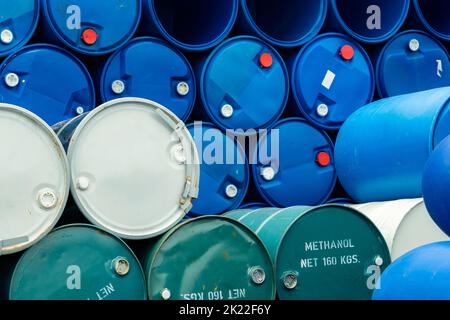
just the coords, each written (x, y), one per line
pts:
(134, 167)
(34, 179)
(405, 224)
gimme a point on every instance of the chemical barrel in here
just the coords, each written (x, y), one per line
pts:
(134, 168)
(331, 77)
(435, 185)
(405, 224)
(18, 21)
(295, 165)
(191, 25)
(340, 201)
(35, 179)
(367, 20)
(382, 149)
(48, 81)
(254, 205)
(90, 27)
(224, 171)
(412, 61)
(282, 23)
(323, 253)
(78, 262)
(422, 274)
(244, 84)
(209, 258)
(432, 15)
(167, 77)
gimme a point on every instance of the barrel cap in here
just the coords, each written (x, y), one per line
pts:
(92, 27)
(236, 92)
(139, 179)
(35, 177)
(224, 175)
(167, 77)
(193, 261)
(84, 263)
(54, 89)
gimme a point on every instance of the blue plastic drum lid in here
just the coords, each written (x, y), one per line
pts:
(422, 274)
(332, 77)
(244, 84)
(370, 21)
(224, 171)
(191, 25)
(149, 68)
(303, 173)
(285, 23)
(412, 61)
(48, 81)
(18, 22)
(436, 183)
(92, 27)
(434, 16)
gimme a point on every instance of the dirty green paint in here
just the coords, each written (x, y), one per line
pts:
(76, 263)
(331, 249)
(208, 258)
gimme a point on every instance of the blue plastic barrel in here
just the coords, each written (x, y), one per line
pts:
(48, 81)
(90, 27)
(191, 25)
(295, 165)
(436, 185)
(340, 201)
(18, 21)
(244, 84)
(422, 274)
(150, 68)
(286, 23)
(382, 149)
(412, 61)
(433, 15)
(369, 21)
(224, 171)
(332, 76)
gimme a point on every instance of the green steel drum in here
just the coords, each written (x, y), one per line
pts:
(323, 253)
(78, 262)
(209, 258)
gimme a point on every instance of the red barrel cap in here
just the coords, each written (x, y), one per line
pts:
(266, 60)
(323, 159)
(347, 52)
(89, 36)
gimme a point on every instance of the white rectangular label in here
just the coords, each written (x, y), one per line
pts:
(328, 80)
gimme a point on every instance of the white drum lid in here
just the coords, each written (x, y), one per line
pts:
(417, 229)
(35, 179)
(134, 168)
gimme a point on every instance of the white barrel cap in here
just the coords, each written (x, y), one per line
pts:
(134, 168)
(35, 179)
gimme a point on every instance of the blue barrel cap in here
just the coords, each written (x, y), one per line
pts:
(421, 274)
(244, 84)
(224, 171)
(412, 61)
(18, 21)
(47, 80)
(332, 77)
(370, 21)
(434, 16)
(167, 77)
(92, 27)
(193, 25)
(303, 172)
(287, 23)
